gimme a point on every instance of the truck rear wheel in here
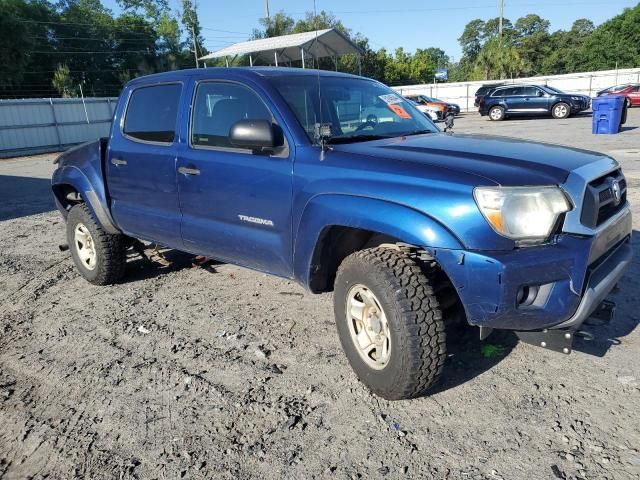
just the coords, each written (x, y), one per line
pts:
(389, 322)
(99, 256)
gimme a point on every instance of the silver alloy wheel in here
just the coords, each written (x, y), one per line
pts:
(85, 247)
(496, 114)
(560, 111)
(368, 327)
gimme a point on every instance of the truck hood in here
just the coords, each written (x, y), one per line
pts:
(499, 160)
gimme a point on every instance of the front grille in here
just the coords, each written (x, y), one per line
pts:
(601, 201)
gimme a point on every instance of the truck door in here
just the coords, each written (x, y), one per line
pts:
(236, 203)
(140, 167)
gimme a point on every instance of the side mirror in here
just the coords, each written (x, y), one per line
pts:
(255, 135)
(540, 93)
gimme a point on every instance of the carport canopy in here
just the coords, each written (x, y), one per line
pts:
(288, 48)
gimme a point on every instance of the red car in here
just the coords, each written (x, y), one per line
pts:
(631, 91)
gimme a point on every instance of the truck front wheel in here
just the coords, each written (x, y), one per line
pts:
(389, 322)
(99, 256)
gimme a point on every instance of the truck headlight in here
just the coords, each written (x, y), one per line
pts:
(524, 214)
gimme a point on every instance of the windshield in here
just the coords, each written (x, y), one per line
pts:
(616, 89)
(355, 109)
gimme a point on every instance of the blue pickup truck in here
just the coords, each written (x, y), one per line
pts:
(337, 182)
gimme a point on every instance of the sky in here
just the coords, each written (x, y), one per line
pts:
(409, 24)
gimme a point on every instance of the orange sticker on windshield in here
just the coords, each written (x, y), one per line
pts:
(398, 110)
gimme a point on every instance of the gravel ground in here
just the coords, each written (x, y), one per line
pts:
(222, 372)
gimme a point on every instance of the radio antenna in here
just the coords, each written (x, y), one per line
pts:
(323, 132)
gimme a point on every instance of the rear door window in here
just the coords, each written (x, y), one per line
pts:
(152, 113)
(503, 92)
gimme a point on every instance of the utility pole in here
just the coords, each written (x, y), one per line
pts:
(266, 10)
(195, 49)
(501, 15)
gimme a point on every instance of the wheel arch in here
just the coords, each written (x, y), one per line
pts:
(70, 186)
(332, 226)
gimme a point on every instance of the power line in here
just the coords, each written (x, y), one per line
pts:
(444, 9)
(24, 20)
(105, 39)
(91, 52)
(224, 31)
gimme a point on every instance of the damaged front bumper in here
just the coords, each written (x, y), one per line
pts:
(549, 288)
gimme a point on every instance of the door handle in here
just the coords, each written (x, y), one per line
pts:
(188, 171)
(117, 161)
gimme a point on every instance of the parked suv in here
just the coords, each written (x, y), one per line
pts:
(517, 100)
(482, 91)
(338, 183)
(631, 92)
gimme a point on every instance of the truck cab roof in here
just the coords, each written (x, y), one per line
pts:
(246, 72)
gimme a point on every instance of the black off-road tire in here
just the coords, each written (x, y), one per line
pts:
(417, 331)
(110, 249)
(494, 116)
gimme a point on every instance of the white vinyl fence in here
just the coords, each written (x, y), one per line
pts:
(32, 126)
(587, 83)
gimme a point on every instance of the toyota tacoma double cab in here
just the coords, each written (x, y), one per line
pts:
(337, 182)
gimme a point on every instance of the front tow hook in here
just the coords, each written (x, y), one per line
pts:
(561, 340)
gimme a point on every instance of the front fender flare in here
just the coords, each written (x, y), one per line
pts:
(380, 216)
(93, 196)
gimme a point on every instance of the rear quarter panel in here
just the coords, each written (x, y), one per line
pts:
(82, 168)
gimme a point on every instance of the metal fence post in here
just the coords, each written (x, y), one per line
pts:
(467, 97)
(109, 105)
(55, 121)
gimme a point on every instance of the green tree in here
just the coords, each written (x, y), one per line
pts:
(499, 58)
(471, 39)
(614, 43)
(62, 82)
(531, 40)
(492, 28)
(279, 24)
(25, 50)
(563, 47)
(531, 24)
(583, 27)
(192, 28)
(320, 21)
(151, 8)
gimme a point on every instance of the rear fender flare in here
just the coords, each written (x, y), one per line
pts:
(379, 216)
(94, 197)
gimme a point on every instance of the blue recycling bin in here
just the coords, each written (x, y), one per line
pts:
(607, 114)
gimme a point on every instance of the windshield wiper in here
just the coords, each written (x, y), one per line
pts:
(355, 138)
(416, 132)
